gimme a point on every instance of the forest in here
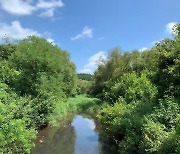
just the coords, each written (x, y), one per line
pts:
(136, 95)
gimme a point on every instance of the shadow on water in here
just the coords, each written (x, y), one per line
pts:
(79, 135)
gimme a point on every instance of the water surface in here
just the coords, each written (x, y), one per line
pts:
(79, 135)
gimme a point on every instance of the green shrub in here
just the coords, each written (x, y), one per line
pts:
(123, 125)
(34, 76)
(167, 112)
(133, 88)
(133, 97)
(154, 135)
(16, 135)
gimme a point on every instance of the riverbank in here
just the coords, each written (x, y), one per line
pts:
(72, 105)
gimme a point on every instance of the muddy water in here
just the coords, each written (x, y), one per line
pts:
(79, 135)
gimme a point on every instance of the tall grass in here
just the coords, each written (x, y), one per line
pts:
(72, 105)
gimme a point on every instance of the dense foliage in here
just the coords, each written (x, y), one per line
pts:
(80, 103)
(83, 86)
(143, 92)
(34, 77)
(84, 83)
(15, 115)
(83, 76)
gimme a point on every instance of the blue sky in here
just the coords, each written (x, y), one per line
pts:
(88, 29)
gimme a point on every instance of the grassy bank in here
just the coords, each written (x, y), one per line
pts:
(78, 103)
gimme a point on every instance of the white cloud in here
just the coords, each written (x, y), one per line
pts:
(49, 4)
(47, 13)
(86, 33)
(169, 27)
(47, 34)
(143, 49)
(93, 62)
(50, 40)
(27, 7)
(154, 42)
(15, 30)
(90, 123)
(18, 7)
(48, 7)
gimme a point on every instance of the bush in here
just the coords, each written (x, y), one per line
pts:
(153, 136)
(167, 113)
(133, 88)
(133, 98)
(123, 125)
(16, 135)
(34, 76)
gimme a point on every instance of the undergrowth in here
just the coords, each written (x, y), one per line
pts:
(72, 105)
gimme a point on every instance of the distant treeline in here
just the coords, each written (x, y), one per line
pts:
(87, 77)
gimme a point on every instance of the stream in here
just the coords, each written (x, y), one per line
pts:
(79, 134)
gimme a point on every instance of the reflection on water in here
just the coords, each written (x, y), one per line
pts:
(86, 138)
(62, 141)
(78, 136)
